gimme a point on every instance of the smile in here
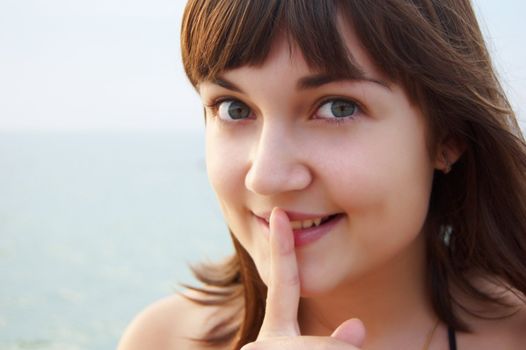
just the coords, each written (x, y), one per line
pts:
(303, 224)
(309, 230)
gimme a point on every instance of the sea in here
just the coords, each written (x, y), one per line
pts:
(95, 226)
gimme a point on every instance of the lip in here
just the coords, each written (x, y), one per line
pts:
(293, 215)
(308, 235)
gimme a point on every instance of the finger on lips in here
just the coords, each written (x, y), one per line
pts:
(280, 329)
(281, 314)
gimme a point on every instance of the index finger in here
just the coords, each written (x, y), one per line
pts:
(281, 313)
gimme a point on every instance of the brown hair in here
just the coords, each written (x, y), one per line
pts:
(436, 51)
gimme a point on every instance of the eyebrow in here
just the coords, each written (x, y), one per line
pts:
(308, 82)
(227, 84)
(317, 80)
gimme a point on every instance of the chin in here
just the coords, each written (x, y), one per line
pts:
(317, 283)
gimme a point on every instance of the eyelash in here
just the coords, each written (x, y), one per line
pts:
(340, 121)
(215, 104)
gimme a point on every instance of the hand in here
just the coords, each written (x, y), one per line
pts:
(280, 328)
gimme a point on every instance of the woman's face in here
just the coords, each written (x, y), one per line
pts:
(279, 135)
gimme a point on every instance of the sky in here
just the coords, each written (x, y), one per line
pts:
(115, 64)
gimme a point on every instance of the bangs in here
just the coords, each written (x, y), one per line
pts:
(222, 35)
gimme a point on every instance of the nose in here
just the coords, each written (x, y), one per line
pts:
(277, 163)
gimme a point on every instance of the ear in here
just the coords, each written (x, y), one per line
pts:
(448, 152)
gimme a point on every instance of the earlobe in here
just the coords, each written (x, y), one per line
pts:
(448, 153)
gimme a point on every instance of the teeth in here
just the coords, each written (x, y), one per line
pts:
(296, 225)
(307, 223)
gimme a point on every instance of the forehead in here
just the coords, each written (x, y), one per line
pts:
(286, 53)
(229, 34)
(356, 50)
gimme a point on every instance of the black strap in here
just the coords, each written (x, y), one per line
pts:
(452, 338)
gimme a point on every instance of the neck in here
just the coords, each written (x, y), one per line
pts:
(392, 301)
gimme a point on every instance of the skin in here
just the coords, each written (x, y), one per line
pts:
(362, 285)
(170, 323)
(374, 167)
(280, 329)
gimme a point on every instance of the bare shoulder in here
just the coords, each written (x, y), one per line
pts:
(502, 329)
(512, 329)
(505, 333)
(171, 323)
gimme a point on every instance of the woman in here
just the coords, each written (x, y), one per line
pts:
(371, 172)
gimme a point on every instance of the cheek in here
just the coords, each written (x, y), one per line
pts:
(383, 185)
(224, 177)
(225, 165)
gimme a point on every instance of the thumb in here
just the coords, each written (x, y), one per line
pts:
(351, 331)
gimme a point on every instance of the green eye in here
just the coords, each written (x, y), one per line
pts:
(337, 109)
(342, 108)
(233, 110)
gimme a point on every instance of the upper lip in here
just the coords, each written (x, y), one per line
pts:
(294, 215)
